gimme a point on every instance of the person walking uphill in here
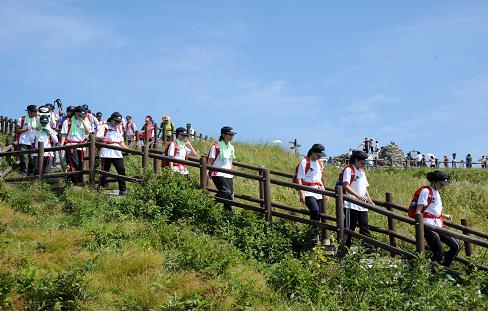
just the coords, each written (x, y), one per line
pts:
(180, 148)
(310, 173)
(112, 133)
(221, 155)
(355, 184)
(25, 139)
(74, 131)
(167, 125)
(427, 200)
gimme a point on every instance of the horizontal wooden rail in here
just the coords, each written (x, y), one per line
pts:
(119, 176)
(379, 244)
(302, 187)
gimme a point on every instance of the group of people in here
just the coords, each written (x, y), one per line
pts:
(43, 125)
(426, 200)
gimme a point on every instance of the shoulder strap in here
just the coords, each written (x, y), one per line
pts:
(69, 124)
(307, 165)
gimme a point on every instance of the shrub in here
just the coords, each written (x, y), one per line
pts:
(6, 284)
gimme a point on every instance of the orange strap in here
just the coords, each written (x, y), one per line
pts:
(311, 183)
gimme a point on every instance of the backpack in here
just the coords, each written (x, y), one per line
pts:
(413, 204)
(307, 169)
(165, 163)
(340, 180)
(217, 153)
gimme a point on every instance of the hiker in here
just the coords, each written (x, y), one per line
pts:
(427, 200)
(310, 173)
(25, 139)
(168, 126)
(130, 128)
(180, 148)
(149, 122)
(221, 155)
(454, 161)
(99, 117)
(47, 135)
(469, 161)
(74, 131)
(112, 133)
(70, 110)
(355, 184)
(91, 118)
(446, 162)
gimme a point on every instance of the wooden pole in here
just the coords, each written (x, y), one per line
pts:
(136, 139)
(203, 173)
(339, 198)
(1, 124)
(156, 163)
(261, 186)
(325, 232)
(11, 126)
(40, 159)
(155, 136)
(91, 160)
(164, 136)
(419, 233)
(391, 221)
(468, 246)
(267, 194)
(145, 149)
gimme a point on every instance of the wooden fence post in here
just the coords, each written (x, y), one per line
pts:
(145, 149)
(200, 136)
(261, 186)
(91, 160)
(391, 221)
(267, 194)
(325, 232)
(155, 135)
(468, 246)
(419, 233)
(164, 136)
(136, 139)
(126, 138)
(203, 173)
(156, 167)
(339, 198)
(1, 124)
(188, 128)
(40, 159)
(11, 127)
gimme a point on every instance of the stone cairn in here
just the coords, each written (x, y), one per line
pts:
(391, 155)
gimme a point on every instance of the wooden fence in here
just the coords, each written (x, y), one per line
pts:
(264, 204)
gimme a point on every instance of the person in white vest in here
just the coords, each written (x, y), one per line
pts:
(180, 148)
(74, 131)
(221, 155)
(48, 136)
(354, 182)
(310, 173)
(112, 134)
(25, 139)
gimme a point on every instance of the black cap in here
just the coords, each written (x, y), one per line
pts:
(43, 109)
(98, 114)
(80, 109)
(319, 149)
(181, 131)
(128, 117)
(86, 107)
(49, 105)
(359, 155)
(31, 108)
(44, 119)
(116, 116)
(70, 108)
(438, 176)
(227, 130)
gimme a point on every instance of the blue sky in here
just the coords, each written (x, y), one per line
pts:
(414, 72)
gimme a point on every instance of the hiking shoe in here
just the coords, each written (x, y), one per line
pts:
(123, 192)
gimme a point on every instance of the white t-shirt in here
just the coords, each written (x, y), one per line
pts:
(28, 137)
(359, 184)
(131, 128)
(79, 136)
(113, 136)
(182, 153)
(314, 175)
(435, 207)
(48, 138)
(220, 164)
(419, 157)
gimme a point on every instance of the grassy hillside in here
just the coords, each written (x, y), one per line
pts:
(167, 246)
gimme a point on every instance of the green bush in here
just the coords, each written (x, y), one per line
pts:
(6, 285)
(52, 290)
(191, 302)
(103, 236)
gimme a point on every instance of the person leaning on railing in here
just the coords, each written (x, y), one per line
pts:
(310, 173)
(354, 182)
(25, 139)
(70, 111)
(429, 203)
(112, 133)
(74, 131)
(221, 155)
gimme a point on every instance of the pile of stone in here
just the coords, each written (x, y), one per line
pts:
(391, 155)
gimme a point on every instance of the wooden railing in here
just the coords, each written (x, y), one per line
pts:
(264, 204)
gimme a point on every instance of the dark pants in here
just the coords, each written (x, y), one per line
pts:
(315, 206)
(46, 164)
(435, 241)
(354, 218)
(30, 160)
(74, 157)
(225, 187)
(119, 166)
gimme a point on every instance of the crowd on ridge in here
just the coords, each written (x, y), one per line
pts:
(42, 124)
